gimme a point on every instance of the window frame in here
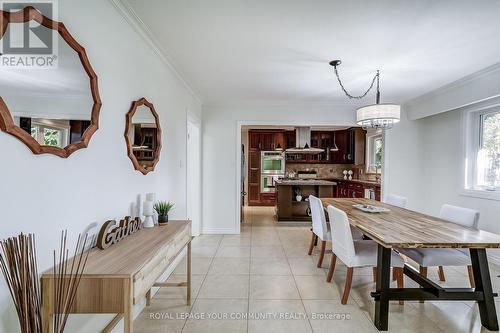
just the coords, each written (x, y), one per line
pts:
(41, 126)
(370, 152)
(472, 140)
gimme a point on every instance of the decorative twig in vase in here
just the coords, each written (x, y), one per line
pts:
(20, 270)
(67, 274)
(19, 267)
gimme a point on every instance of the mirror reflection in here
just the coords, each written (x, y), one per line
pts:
(143, 136)
(50, 99)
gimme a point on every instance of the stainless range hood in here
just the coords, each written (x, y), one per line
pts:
(303, 142)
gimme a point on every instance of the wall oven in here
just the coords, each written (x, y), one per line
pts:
(272, 162)
(267, 183)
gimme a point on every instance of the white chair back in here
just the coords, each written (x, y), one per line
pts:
(342, 243)
(464, 216)
(396, 200)
(320, 228)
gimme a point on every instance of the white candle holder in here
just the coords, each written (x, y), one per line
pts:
(148, 213)
(138, 210)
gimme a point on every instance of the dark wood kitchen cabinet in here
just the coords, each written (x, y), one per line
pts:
(356, 146)
(290, 139)
(253, 177)
(355, 189)
(351, 144)
(340, 139)
(322, 140)
(266, 140)
(261, 140)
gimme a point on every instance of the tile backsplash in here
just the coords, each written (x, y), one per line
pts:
(325, 171)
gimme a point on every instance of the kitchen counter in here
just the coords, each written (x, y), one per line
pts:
(289, 207)
(359, 181)
(305, 182)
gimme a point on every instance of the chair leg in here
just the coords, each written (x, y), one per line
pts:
(441, 273)
(471, 276)
(348, 284)
(374, 272)
(331, 269)
(311, 246)
(322, 254)
(423, 272)
(398, 272)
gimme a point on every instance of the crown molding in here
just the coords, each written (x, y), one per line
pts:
(455, 84)
(279, 104)
(126, 10)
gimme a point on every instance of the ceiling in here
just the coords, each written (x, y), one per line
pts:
(232, 51)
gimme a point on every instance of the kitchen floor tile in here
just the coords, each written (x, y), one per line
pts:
(269, 266)
(230, 266)
(224, 286)
(273, 287)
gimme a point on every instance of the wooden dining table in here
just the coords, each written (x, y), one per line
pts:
(403, 228)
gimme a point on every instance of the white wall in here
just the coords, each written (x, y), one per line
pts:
(433, 175)
(442, 136)
(220, 147)
(402, 167)
(46, 194)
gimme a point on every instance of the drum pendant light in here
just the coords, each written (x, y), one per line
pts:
(378, 115)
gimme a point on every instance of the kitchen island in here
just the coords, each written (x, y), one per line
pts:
(288, 208)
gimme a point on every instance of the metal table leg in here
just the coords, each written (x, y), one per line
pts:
(382, 288)
(483, 284)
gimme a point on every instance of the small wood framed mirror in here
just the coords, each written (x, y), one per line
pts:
(143, 135)
(49, 98)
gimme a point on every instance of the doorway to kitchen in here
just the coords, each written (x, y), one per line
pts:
(280, 164)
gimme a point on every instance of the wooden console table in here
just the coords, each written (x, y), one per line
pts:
(117, 278)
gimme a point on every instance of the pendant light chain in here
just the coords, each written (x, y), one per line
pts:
(376, 77)
(379, 116)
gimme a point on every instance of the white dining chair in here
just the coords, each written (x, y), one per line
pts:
(355, 253)
(447, 257)
(321, 229)
(396, 200)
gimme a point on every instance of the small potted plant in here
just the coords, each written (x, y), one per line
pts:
(163, 208)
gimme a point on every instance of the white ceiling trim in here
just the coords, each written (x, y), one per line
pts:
(453, 85)
(126, 10)
(283, 104)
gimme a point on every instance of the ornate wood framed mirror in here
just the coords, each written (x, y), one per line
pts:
(49, 97)
(143, 135)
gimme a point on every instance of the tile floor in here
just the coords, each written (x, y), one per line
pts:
(266, 272)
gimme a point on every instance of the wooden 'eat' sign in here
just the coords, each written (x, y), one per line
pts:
(111, 233)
